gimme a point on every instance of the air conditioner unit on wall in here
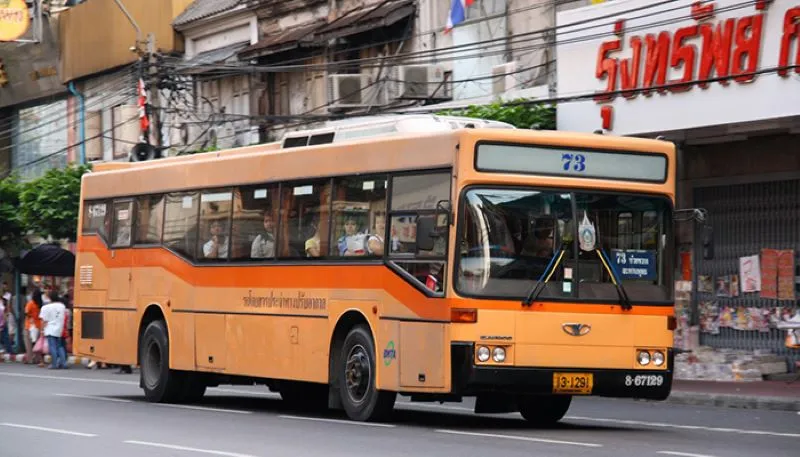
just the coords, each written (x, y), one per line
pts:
(505, 78)
(354, 91)
(423, 81)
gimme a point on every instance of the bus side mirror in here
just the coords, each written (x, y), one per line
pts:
(426, 232)
(708, 242)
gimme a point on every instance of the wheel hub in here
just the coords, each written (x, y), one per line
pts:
(357, 374)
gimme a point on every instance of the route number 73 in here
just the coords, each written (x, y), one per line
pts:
(573, 162)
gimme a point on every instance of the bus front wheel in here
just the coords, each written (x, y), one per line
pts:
(543, 411)
(160, 384)
(361, 400)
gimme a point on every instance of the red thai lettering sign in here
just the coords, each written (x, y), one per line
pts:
(738, 55)
(703, 53)
(14, 19)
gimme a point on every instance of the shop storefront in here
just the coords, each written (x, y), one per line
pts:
(722, 80)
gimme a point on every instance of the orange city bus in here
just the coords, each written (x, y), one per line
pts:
(344, 266)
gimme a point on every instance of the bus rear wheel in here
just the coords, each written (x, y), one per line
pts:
(160, 384)
(361, 400)
(543, 410)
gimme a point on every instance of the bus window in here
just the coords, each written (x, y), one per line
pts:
(149, 217)
(255, 222)
(180, 223)
(305, 210)
(414, 196)
(122, 223)
(359, 217)
(96, 219)
(215, 224)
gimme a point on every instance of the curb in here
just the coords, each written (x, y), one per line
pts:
(71, 360)
(734, 401)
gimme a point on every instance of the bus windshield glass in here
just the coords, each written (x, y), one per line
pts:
(510, 236)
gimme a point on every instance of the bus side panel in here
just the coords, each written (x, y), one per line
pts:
(181, 340)
(387, 345)
(280, 347)
(423, 352)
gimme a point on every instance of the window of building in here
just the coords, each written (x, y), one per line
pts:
(416, 196)
(149, 219)
(305, 211)
(96, 219)
(254, 233)
(358, 226)
(122, 222)
(215, 224)
(180, 222)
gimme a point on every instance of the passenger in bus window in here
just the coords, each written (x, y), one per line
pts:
(351, 243)
(264, 244)
(375, 241)
(312, 244)
(217, 246)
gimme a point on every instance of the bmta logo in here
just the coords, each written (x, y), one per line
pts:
(389, 354)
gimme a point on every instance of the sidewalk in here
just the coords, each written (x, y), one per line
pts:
(772, 395)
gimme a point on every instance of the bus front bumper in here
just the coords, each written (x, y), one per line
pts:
(471, 379)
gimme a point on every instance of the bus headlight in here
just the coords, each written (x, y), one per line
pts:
(499, 355)
(643, 357)
(483, 354)
(658, 358)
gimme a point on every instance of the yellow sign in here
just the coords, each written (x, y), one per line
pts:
(14, 19)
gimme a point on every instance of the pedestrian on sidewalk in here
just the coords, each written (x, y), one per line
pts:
(33, 326)
(53, 314)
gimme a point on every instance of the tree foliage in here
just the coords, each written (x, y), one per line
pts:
(49, 205)
(12, 228)
(516, 112)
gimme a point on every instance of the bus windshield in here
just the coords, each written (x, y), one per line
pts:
(510, 236)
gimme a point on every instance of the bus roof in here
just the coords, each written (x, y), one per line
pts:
(270, 162)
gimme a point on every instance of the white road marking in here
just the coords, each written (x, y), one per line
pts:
(67, 378)
(188, 449)
(204, 408)
(685, 427)
(337, 421)
(92, 397)
(683, 454)
(52, 430)
(520, 438)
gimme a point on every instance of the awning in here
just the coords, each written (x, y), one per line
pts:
(213, 57)
(47, 260)
(357, 21)
(295, 38)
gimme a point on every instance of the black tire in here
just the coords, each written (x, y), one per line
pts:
(160, 384)
(356, 372)
(544, 410)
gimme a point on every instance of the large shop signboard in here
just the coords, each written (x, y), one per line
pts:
(638, 66)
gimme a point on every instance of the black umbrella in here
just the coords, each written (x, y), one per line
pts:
(47, 260)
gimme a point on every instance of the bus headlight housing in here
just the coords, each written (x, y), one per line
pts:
(658, 358)
(643, 357)
(483, 353)
(499, 355)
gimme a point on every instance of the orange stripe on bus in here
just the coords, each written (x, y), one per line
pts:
(333, 277)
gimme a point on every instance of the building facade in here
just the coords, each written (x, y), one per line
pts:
(722, 81)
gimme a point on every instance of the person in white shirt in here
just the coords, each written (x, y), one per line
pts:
(53, 313)
(217, 246)
(264, 244)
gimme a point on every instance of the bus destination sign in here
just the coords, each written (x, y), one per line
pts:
(607, 164)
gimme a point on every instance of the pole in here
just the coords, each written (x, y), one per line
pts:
(131, 20)
(155, 93)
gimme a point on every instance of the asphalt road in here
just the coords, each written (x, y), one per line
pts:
(78, 412)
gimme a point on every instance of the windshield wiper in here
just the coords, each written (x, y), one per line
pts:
(536, 290)
(623, 296)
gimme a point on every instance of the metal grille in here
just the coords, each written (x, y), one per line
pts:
(747, 218)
